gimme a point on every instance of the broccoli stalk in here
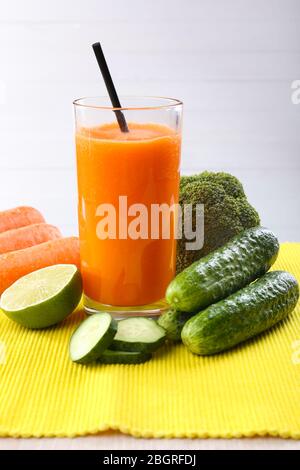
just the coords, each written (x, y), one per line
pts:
(226, 212)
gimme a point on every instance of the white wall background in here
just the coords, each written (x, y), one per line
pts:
(232, 62)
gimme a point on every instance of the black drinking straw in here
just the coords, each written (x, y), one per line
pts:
(110, 86)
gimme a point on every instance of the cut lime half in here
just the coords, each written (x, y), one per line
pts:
(43, 297)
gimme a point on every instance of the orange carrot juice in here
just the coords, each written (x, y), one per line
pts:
(142, 166)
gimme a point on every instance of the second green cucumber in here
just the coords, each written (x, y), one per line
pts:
(242, 315)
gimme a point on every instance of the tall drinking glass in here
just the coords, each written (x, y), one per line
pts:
(128, 184)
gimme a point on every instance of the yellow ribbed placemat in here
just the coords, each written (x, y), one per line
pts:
(251, 390)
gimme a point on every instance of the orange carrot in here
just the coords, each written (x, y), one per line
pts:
(24, 237)
(19, 217)
(16, 264)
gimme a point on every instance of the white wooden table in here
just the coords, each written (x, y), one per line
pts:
(116, 441)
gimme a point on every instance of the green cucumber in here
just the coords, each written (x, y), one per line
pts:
(123, 357)
(138, 334)
(172, 321)
(92, 337)
(242, 315)
(227, 269)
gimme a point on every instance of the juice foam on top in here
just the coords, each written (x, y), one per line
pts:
(137, 131)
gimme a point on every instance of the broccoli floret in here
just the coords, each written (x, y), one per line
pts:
(229, 183)
(184, 180)
(226, 212)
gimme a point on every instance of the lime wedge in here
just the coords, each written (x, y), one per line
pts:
(43, 297)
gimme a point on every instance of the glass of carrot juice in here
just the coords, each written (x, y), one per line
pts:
(128, 185)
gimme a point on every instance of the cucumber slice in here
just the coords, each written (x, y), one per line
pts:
(123, 357)
(138, 334)
(92, 337)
